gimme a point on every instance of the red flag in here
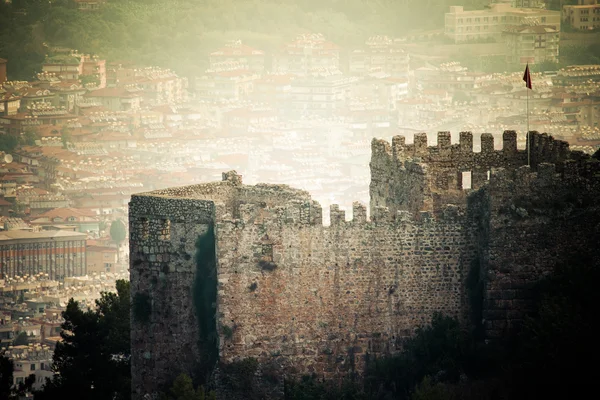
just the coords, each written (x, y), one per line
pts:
(527, 77)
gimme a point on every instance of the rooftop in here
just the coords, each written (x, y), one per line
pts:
(18, 235)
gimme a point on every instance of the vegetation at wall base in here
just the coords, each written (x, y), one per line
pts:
(546, 360)
(441, 361)
(183, 389)
(239, 375)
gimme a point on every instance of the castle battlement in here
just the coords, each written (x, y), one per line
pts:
(584, 171)
(301, 213)
(544, 149)
(417, 177)
(238, 271)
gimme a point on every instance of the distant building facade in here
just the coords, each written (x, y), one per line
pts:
(101, 259)
(306, 53)
(33, 359)
(235, 51)
(461, 25)
(60, 254)
(531, 44)
(584, 16)
(9, 103)
(117, 99)
(379, 55)
(64, 66)
(228, 84)
(318, 95)
(93, 66)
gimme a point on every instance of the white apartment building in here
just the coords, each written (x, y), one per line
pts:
(33, 359)
(584, 16)
(531, 44)
(461, 25)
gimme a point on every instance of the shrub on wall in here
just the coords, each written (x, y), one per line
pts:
(227, 331)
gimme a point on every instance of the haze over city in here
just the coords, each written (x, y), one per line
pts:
(277, 199)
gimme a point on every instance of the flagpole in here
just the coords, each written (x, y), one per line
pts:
(528, 139)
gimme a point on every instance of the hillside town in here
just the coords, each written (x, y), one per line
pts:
(86, 132)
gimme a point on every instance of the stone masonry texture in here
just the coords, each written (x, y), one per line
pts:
(303, 298)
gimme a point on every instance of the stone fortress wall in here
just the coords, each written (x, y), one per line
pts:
(416, 177)
(533, 221)
(308, 297)
(304, 298)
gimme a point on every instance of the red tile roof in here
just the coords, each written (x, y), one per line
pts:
(101, 249)
(67, 212)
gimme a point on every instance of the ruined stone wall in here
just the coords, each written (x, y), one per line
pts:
(164, 335)
(416, 177)
(535, 221)
(165, 226)
(305, 298)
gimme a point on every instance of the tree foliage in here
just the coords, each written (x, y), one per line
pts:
(117, 231)
(93, 360)
(21, 339)
(183, 389)
(6, 377)
(439, 350)
(8, 143)
(29, 137)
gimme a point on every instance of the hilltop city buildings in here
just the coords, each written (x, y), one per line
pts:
(93, 132)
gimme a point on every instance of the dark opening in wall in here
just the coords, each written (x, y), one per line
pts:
(165, 232)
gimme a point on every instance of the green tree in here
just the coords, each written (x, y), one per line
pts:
(118, 233)
(6, 376)
(183, 389)
(21, 339)
(439, 350)
(29, 137)
(8, 143)
(93, 360)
